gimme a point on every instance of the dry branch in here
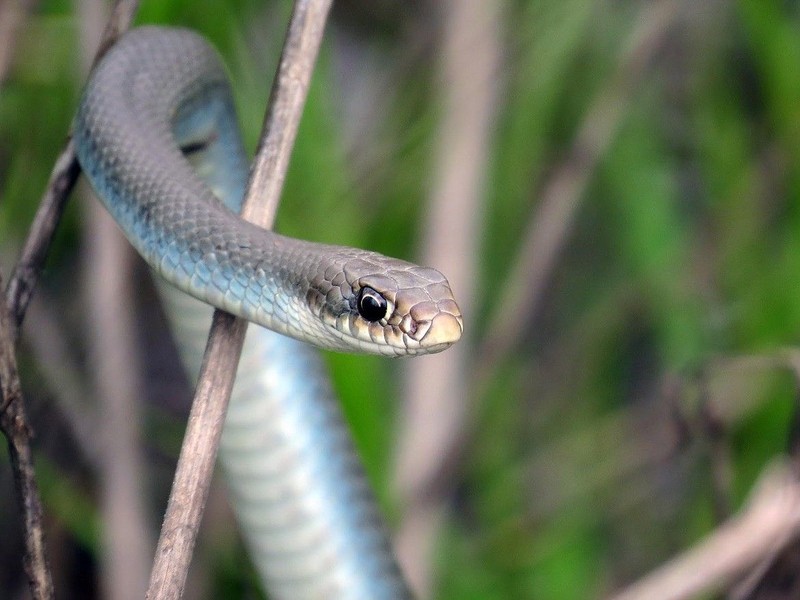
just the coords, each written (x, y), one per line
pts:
(51, 207)
(768, 524)
(201, 441)
(13, 420)
(14, 425)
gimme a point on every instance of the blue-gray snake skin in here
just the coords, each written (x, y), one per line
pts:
(299, 491)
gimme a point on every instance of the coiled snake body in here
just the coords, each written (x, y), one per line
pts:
(157, 136)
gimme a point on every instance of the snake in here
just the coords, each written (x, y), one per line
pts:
(157, 136)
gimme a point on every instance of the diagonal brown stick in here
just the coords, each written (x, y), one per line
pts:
(62, 180)
(13, 420)
(14, 425)
(199, 451)
(767, 525)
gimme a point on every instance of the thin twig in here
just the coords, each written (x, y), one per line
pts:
(435, 399)
(201, 441)
(62, 180)
(777, 575)
(771, 521)
(14, 425)
(13, 420)
(34, 251)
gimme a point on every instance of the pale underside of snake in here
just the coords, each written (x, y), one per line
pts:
(156, 135)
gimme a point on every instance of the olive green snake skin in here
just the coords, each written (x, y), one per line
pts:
(156, 135)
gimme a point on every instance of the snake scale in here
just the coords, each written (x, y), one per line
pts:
(157, 136)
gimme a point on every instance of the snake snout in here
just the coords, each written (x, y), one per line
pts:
(434, 325)
(445, 330)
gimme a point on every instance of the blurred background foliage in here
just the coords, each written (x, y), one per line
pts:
(647, 390)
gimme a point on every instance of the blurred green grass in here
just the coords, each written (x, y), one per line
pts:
(686, 248)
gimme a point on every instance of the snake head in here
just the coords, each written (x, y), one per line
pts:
(388, 306)
(413, 305)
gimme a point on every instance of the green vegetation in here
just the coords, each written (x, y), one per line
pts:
(684, 256)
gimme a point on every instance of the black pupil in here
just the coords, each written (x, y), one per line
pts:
(371, 305)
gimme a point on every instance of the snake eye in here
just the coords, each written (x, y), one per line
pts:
(371, 305)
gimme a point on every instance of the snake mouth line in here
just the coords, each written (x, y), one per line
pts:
(444, 330)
